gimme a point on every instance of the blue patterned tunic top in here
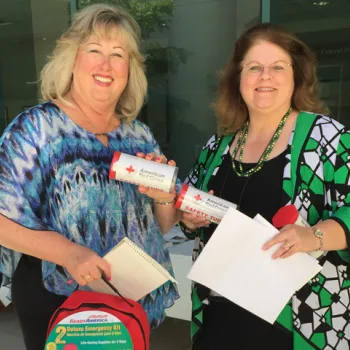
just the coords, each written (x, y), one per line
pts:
(54, 176)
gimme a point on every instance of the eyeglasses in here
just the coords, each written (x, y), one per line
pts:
(276, 68)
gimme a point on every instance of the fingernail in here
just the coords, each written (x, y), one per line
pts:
(109, 278)
(157, 158)
(70, 281)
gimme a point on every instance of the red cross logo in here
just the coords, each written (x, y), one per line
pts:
(198, 197)
(130, 170)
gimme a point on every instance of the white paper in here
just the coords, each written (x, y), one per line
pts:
(134, 273)
(293, 269)
(234, 265)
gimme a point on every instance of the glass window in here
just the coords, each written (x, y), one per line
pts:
(28, 32)
(186, 43)
(325, 27)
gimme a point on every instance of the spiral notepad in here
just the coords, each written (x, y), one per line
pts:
(134, 273)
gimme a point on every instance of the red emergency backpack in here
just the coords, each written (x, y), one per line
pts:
(90, 320)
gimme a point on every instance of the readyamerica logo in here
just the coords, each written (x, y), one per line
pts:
(91, 319)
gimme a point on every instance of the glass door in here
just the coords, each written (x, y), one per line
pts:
(28, 32)
(325, 27)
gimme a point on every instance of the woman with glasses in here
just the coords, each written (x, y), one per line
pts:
(274, 146)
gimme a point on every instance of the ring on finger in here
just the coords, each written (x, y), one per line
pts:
(87, 278)
(287, 245)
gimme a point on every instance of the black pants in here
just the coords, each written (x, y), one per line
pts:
(33, 303)
(227, 326)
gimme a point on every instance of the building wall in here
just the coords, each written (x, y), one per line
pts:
(326, 29)
(24, 46)
(180, 113)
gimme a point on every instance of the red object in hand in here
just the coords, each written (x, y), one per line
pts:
(286, 215)
(289, 215)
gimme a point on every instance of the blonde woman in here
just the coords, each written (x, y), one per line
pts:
(59, 210)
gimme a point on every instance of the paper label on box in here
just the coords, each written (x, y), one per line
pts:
(89, 330)
(146, 173)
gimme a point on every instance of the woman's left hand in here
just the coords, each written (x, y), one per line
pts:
(294, 238)
(158, 195)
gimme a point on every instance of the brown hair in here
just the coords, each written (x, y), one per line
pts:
(231, 111)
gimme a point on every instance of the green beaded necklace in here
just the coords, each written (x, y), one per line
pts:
(241, 143)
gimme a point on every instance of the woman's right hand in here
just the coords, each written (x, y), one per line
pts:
(193, 221)
(84, 264)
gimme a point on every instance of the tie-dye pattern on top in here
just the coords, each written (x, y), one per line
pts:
(54, 176)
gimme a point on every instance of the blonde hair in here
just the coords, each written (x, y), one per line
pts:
(231, 110)
(108, 21)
